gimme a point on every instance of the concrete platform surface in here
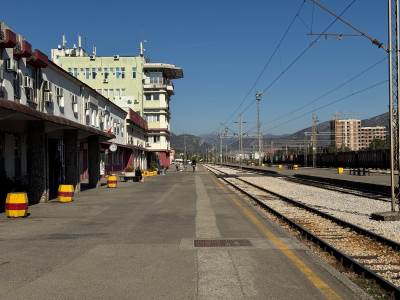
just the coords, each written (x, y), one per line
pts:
(137, 242)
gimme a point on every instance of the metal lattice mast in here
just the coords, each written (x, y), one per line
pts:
(258, 100)
(394, 77)
(314, 140)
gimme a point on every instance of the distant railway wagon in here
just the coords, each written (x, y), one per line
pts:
(373, 159)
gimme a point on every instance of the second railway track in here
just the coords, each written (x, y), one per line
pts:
(365, 252)
(351, 188)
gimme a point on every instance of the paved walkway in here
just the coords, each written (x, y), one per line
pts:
(137, 242)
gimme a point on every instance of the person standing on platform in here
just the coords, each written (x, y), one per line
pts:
(138, 173)
(194, 165)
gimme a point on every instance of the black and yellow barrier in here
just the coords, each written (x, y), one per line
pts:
(65, 193)
(112, 181)
(16, 205)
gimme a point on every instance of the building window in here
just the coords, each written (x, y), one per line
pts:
(152, 118)
(117, 93)
(154, 139)
(122, 72)
(148, 96)
(105, 92)
(76, 72)
(133, 72)
(111, 93)
(94, 73)
(122, 92)
(87, 73)
(156, 77)
(70, 71)
(156, 96)
(106, 73)
(118, 73)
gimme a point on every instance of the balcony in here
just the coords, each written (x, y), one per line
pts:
(159, 83)
(137, 120)
(39, 59)
(155, 83)
(8, 39)
(23, 49)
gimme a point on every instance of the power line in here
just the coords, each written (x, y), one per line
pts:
(333, 102)
(302, 53)
(331, 91)
(268, 61)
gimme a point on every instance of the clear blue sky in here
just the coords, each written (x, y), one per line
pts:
(222, 46)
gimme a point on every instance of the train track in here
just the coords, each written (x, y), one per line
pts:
(365, 252)
(351, 188)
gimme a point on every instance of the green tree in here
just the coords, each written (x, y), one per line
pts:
(377, 144)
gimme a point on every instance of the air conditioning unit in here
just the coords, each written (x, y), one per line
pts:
(47, 86)
(116, 57)
(59, 92)
(105, 80)
(11, 65)
(92, 57)
(29, 94)
(61, 102)
(48, 97)
(28, 82)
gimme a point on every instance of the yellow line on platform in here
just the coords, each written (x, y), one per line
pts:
(325, 289)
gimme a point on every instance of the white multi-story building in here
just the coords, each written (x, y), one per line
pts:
(345, 134)
(129, 81)
(369, 134)
(158, 89)
(53, 127)
(349, 134)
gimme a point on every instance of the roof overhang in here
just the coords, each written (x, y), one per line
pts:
(169, 70)
(13, 111)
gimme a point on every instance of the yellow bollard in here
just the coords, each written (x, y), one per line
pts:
(112, 181)
(65, 193)
(16, 205)
(340, 170)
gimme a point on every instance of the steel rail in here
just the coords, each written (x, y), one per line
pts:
(363, 192)
(344, 259)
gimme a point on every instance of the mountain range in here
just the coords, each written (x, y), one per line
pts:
(200, 144)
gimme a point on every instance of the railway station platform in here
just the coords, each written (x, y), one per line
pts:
(180, 236)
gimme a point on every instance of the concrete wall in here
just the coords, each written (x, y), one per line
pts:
(79, 66)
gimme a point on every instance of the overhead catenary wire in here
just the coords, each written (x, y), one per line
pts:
(327, 93)
(339, 17)
(375, 85)
(268, 62)
(330, 91)
(300, 55)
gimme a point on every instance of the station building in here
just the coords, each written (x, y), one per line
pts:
(129, 81)
(53, 127)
